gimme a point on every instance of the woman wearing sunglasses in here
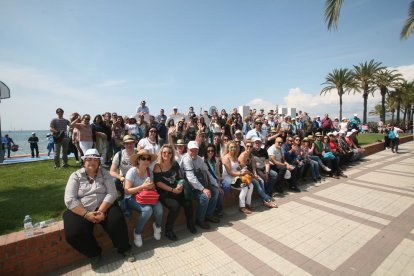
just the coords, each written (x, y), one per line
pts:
(137, 179)
(169, 181)
(150, 142)
(231, 169)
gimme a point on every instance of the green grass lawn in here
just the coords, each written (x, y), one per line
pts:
(37, 189)
(370, 138)
(34, 189)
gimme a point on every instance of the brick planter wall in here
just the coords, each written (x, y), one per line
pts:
(48, 250)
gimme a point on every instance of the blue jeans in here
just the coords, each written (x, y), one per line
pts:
(146, 212)
(259, 187)
(206, 206)
(314, 165)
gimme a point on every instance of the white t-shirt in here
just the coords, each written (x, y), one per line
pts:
(132, 128)
(153, 148)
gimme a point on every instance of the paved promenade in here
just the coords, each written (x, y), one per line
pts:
(360, 225)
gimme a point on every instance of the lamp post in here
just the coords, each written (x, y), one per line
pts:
(4, 94)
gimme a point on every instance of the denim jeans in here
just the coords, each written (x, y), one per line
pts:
(314, 168)
(206, 206)
(146, 212)
(259, 187)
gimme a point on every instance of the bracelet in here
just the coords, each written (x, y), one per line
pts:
(84, 215)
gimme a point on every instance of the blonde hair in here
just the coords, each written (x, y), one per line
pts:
(226, 150)
(166, 146)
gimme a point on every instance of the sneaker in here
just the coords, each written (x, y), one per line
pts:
(326, 169)
(129, 256)
(137, 240)
(157, 232)
(96, 262)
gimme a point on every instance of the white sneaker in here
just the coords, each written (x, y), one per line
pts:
(157, 232)
(325, 168)
(137, 240)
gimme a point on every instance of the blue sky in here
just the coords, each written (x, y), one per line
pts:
(97, 56)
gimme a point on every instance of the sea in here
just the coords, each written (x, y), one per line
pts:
(20, 138)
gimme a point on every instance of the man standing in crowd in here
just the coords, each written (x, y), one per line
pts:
(8, 143)
(33, 141)
(59, 128)
(161, 116)
(142, 109)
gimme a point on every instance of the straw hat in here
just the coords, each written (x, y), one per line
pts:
(310, 138)
(180, 142)
(128, 138)
(318, 134)
(134, 158)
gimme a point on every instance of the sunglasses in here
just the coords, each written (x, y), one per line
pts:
(152, 131)
(290, 140)
(249, 146)
(210, 150)
(167, 152)
(145, 158)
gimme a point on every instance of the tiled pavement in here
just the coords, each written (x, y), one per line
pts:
(361, 225)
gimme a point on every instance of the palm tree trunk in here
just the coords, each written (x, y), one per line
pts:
(364, 118)
(398, 112)
(405, 116)
(392, 117)
(383, 93)
(340, 107)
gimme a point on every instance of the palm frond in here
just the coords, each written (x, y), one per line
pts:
(332, 11)
(408, 27)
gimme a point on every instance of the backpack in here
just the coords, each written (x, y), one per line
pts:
(391, 134)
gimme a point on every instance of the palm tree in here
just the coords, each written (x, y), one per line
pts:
(343, 81)
(407, 99)
(385, 79)
(364, 73)
(377, 111)
(390, 102)
(333, 9)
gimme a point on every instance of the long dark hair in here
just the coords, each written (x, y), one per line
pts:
(156, 132)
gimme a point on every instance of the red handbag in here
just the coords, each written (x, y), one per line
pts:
(147, 197)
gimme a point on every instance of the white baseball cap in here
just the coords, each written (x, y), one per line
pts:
(192, 145)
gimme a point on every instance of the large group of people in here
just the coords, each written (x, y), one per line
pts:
(166, 163)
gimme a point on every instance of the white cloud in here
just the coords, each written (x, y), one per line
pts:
(406, 70)
(315, 104)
